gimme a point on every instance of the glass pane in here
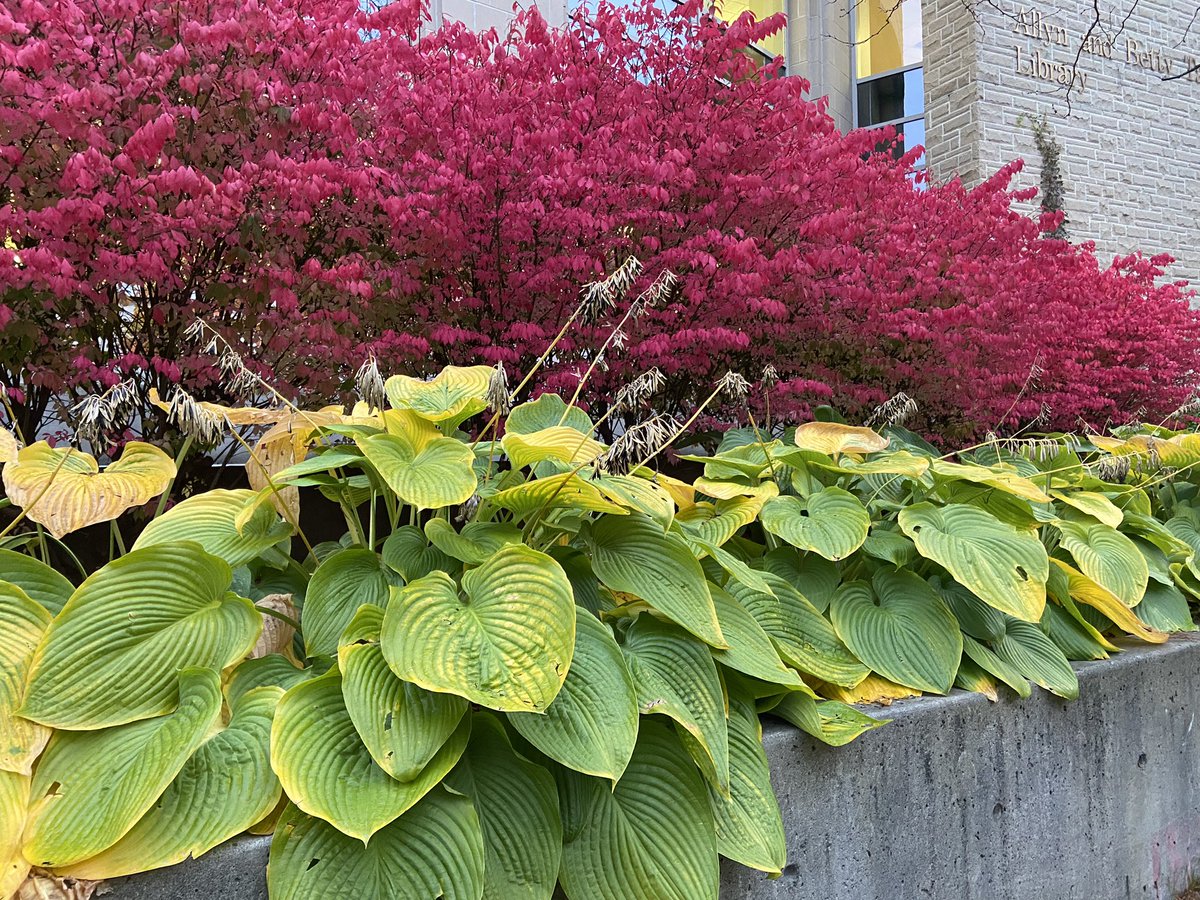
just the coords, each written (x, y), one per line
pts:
(892, 97)
(729, 10)
(914, 136)
(887, 35)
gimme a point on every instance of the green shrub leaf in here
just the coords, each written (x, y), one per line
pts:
(832, 522)
(436, 475)
(224, 788)
(803, 637)
(675, 676)
(215, 521)
(341, 584)
(517, 805)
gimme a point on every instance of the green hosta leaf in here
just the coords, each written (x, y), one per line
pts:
(475, 543)
(832, 522)
(212, 520)
(436, 849)
(751, 650)
(903, 630)
(993, 665)
(749, 825)
(226, 787)
(592, 724)
(1092, 504)
(675, 676)
(1166, 608)
(829, 721)
(40, 582)
(129, 766)
(174, 611)
(803, 637)
(1026, 648)
(584, 583)
(22, 624)
(342, 583)
(1003, 566)
(1167, 537)
(890, 547)
(272, 670)
(1107, 557)
(403, 726)
(976, 618)
(731, 565)
(546, 411)
(649, 838)
(327, 771)
(633, 555)
(408, 553)
(813, 576)
(507, 644)
(1070, 636)
(517, 804)
(439, 474)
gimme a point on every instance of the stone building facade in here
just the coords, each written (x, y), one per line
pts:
(970, 80)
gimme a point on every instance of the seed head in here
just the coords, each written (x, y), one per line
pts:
(733, 385)
(498, 398)
(202, 425)
(896, 410)
(639, 390)
(642, 440)
(369, 384)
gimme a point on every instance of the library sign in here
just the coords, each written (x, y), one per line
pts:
(1044, 64)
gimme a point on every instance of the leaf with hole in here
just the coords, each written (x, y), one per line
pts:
(832, 522)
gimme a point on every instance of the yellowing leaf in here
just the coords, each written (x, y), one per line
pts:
(234, 525)
(438, 475)
(556, 442)
(456, 393)
(22, 624)
(993, 476)
(833, 438)
(14, 805)
(1085, 590)
(872, 689)
(64, 489)
(9, 446)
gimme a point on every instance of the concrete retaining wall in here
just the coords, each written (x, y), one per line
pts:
(956, 799)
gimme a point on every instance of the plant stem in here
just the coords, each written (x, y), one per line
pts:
(179, 457)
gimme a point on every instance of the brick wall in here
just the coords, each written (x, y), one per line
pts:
(1131, 151)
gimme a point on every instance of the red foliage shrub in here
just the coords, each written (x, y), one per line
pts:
(321, 184)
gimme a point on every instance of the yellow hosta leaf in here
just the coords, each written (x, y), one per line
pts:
(833, 438)
(404, 422)
(556, 442)
(64, 489)
(993, 476)
(1085, 590)
(14, 807)
(727, 490)
(456, 393)
(22, 624)
(681, 492)
(872, 689)
(9, 446)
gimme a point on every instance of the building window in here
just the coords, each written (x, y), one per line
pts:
(889, 81)
(770, 47)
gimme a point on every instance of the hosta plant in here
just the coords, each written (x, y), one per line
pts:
(534, 660)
